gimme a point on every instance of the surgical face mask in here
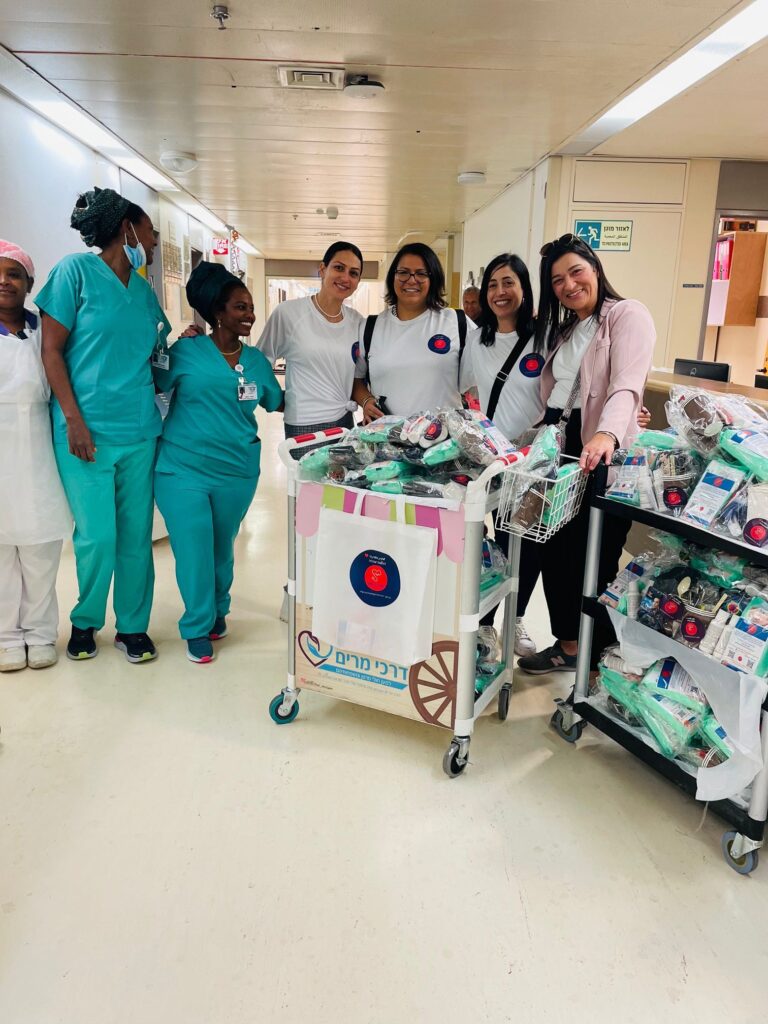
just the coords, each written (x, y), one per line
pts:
(137, 255)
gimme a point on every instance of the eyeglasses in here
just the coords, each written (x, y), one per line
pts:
(567, 239)
(406, 275)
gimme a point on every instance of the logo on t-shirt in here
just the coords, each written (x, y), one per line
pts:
(530, 365)
(355, 351)
(375, 578)
(440, 344)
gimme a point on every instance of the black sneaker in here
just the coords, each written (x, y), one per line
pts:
(82, 644)
(551, 659)
(136, 647)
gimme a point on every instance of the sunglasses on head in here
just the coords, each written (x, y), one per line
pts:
(564, 240)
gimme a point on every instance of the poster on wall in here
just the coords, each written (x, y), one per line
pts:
(605, 235)
(220, 247)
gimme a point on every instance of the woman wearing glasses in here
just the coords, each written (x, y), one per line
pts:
(410, 356)
(318, 338)
(598, 354)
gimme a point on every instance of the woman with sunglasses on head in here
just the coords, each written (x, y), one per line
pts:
(318, 338)
(598, 354)
(410, 356)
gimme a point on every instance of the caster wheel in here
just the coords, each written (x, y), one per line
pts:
(277, 713)
(504, 694)
(743, 865)
(569, 735)
(452, 766)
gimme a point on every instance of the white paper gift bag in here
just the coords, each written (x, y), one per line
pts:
(374, 588)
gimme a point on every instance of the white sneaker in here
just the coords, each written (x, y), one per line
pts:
(13, 658)
(284, 606)
(524, 646)
(41, 655)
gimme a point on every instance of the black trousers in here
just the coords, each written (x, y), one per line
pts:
(561, 560)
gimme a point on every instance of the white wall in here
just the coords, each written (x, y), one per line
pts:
(512, 222)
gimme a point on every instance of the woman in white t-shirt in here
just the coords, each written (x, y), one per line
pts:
(318, 337)
(410, 358)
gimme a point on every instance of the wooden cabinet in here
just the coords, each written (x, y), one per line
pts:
(736, 277)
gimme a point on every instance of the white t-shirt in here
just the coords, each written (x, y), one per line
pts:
(320, 360)
(520, 405)
(415, 363)
(567, 361)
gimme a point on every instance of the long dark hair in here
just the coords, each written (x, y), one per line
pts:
(554, 320)
(337, 247)
(488, 321)
(436, 295)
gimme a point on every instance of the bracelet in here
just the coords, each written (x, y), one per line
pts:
(370, 398)
(613, 437)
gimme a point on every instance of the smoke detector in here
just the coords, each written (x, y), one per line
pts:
(471, 178)
(363, 87)
(311, 78)
(331, 212)
(178, 162)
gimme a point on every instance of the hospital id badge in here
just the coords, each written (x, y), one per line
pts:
(161, 360)
(247, 392)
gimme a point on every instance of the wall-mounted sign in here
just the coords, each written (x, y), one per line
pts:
(606, 235)
(220, 247)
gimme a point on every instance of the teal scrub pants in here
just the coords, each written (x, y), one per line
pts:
(203, 517)
(111, 503)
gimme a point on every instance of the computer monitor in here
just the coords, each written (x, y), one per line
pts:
(703, 369)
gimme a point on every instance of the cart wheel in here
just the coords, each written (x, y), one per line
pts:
(452, 766)
(569, 735)
(432, 684)
(504, 694)
(743, 865)
(278, 715)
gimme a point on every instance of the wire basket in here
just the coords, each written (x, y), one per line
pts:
(536, 507)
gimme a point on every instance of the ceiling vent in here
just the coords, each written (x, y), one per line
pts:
(312, 78)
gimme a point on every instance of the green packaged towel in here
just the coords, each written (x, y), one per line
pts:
(444, 451)
(715, 734)
(662, 440)
(314, 465)
(671, 725)
(668, 679)
(389, 470)
(749, 448)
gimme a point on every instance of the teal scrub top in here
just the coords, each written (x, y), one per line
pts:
(208, 430)
(113, 330)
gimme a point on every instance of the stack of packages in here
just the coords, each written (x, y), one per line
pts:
(705, 599)
(710, 469)
(428, 455)
(664, 702)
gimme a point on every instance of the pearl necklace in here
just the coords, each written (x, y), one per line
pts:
(328, 316)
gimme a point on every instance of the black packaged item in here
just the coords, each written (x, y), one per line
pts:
(660, 611)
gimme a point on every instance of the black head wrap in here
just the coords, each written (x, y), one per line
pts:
(206, 283)
(97, 215)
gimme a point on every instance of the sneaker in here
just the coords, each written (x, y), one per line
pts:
(551, 659)
(13, 658)
(41, 655)
(137, 647)
(200, 650)
(284, 606)
(524, 646)
(82, 644)
(219, 630)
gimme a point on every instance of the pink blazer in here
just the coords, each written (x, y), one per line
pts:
(613, 371)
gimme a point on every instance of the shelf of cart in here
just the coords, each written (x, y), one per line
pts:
(683, 776)
(681, 528)
(491, 692)
(495, 596)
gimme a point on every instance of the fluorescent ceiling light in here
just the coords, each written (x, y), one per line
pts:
(204, 215)
(77, 123)
(246, 246)
(745, 29)
(145, 172)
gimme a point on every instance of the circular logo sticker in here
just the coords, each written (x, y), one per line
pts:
(355, 351)
(674, 497)
(375, 578)
(756, 532)
(440, 344)
(530, 365)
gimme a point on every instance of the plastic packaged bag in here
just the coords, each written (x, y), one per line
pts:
(746, 643)
(669, 679)
(386, 428)
(620, 694)
(478, 437)
(387, 470)
(718, 482)
(493, 568)
(445, 451)
(633, 483)
(672, 725)
(714, 734)
(631, 573)
(674, 473)
(314, 465)
(749, 448)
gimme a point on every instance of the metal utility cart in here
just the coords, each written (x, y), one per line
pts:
(440, 690)
(740, 844)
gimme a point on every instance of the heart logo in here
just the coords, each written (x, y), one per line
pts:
(310, 647)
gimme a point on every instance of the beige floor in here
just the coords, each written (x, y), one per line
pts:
(169, 856)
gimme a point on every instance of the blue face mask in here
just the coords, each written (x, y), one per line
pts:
(137, 255)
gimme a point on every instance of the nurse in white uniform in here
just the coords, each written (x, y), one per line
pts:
(410, 358)
(318, 336)
(34, 515)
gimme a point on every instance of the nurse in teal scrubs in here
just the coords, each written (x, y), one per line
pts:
(101, 325)
(209, 455)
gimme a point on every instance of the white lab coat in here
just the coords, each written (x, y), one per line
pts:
(33, 508)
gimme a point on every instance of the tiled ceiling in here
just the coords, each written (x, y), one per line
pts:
(490, 86)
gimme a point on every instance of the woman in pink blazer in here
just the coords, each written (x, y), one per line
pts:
(599, 349)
